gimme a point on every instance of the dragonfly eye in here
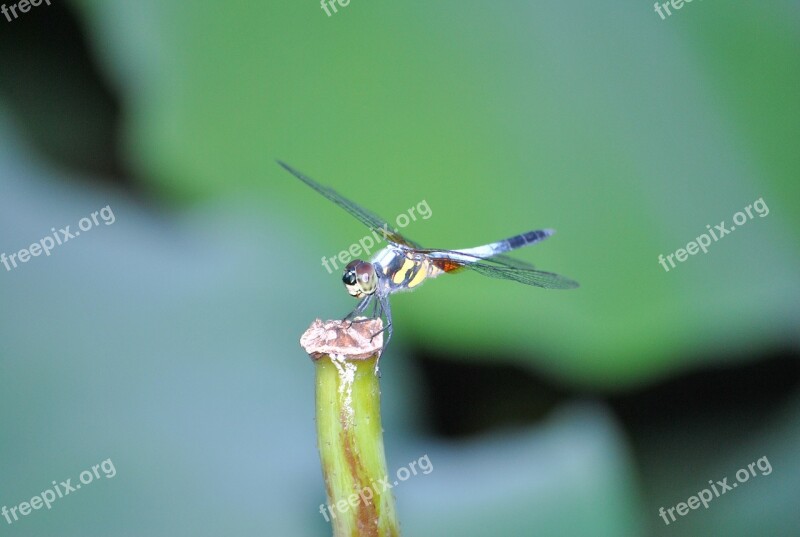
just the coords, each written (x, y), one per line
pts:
(349, 277)
(366, 277)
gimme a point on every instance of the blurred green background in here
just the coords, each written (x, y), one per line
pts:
(168, 341)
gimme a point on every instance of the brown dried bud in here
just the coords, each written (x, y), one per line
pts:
(354, 340)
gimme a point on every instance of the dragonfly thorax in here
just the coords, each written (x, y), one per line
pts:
(402, 269)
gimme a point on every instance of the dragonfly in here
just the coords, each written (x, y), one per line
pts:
(403, 265)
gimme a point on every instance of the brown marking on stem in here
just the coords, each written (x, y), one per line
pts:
(366, 516)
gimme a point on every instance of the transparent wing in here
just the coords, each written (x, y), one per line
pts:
(538, 278)
(498, 267)
(364, 216)
(512, 261)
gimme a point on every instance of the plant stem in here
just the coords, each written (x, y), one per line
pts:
(349, 432)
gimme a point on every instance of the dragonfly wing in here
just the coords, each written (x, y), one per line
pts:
(538, 278)
(499, 267)
(367, 218)
(511, 261)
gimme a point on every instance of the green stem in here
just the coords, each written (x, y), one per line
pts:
(349, 432)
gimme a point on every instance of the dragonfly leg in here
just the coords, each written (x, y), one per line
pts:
(383, 305)
(358, 310)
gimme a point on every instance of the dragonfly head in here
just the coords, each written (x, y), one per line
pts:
(360, 278)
